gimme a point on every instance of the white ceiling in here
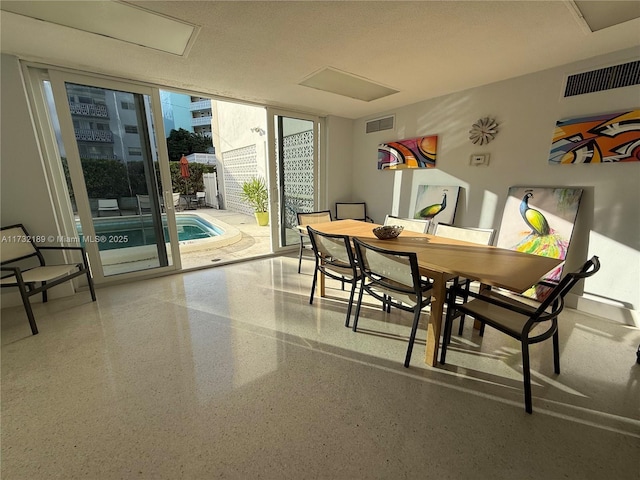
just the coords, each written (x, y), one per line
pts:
(260, 51)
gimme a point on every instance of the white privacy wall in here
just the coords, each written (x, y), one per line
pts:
(526, 109)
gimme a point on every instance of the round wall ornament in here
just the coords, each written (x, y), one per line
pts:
(483, 131)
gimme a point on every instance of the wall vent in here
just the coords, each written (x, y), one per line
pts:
(380, 124)
(616, 76)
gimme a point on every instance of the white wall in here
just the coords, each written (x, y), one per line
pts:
(527, 109)
(338, 176)
(24, 190)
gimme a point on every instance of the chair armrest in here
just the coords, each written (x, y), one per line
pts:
(495, 301)
(46, 247)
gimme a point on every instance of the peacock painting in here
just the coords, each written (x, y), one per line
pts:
(540, 221)
(436, 203)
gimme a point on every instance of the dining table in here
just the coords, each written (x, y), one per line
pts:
(442, 259)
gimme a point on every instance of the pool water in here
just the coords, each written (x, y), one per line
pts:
(123, 232)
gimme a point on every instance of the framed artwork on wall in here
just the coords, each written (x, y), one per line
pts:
(606, 138)
(540, 220)
(436, 203)
(417, 152)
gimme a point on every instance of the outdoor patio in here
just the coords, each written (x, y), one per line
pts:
(255, 240)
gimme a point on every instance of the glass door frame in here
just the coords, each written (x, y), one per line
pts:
(276, 201)
(58, 78)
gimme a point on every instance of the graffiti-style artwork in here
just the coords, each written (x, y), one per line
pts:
(436, 203)
(612, 138)
(417, 152)
(540, 220)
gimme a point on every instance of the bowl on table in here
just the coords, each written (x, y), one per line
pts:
(388, 232)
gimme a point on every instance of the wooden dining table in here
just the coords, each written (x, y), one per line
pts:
(442, 259)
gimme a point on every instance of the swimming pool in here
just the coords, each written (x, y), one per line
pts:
(135, 231)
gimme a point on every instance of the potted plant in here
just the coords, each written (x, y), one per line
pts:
(254, 192)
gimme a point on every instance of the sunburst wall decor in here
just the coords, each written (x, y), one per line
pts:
(483, 131)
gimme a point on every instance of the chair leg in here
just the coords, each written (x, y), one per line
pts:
(45, 297)
(465, 297)
(556, 352)
(355, 317)
(353, 292)
(412, 337)
(313, 283)
(526, 372)
(28, 310)
(300, 256)
(446, 335)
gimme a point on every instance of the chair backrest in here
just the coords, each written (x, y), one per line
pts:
(108, 204)
(332, 249)
(555, 298)
(200, 195)
(351, 210)
(390, 269)
(143, 203)
(483, 236)
(176, 199)
(410, 224)
(17, 244)
(309, 218)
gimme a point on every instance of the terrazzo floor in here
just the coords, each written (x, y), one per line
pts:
(230, 373)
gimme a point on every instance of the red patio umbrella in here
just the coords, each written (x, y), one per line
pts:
(184, 172)
(184, 167)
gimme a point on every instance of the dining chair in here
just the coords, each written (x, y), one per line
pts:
(410, 224)
(335, 259)
(394, 279)
(309, 218)
(529, 323)
(481, 236)
(353, 211)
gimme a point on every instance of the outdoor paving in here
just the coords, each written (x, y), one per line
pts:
(255, 240)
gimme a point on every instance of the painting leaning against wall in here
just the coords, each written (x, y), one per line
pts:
(417, 152)
(436, 203)
(606, 138)
(540, 220)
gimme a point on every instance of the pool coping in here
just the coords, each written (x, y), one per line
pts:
(229, 236)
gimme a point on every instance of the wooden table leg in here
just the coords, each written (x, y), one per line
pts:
(435, 320)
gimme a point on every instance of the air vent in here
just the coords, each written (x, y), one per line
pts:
(608, 78)
(380, 124)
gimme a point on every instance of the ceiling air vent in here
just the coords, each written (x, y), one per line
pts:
(380, 124)
(608, 78)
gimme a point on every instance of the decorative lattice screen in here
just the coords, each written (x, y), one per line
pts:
(240, 165)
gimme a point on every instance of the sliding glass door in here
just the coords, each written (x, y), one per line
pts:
(293, 140)
(118, 172)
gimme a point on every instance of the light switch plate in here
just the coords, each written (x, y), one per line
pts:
(479, 160)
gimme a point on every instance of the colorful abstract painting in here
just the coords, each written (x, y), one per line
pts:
(436, 203)
(417, 152)
(540, 220)
(607, 138)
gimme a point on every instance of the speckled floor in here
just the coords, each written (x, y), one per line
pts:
(230, 373)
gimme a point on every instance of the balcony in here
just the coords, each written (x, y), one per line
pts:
(201, 105)
(86, 135)
(201, 121)
(88, 110)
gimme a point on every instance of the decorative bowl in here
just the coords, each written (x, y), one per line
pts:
(387, 232)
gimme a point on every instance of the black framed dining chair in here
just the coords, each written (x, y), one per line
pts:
(529, 323)
(481, 236)
(335, 259)
(394, 279)
(309, 218)
(353, 211)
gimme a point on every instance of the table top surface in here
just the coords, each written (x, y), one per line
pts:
(498, 267)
